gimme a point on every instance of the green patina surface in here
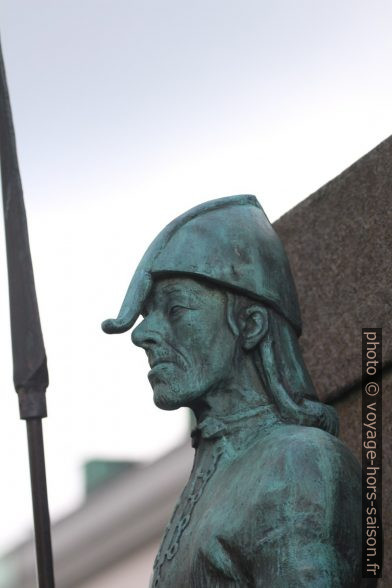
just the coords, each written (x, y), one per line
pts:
(274, 497)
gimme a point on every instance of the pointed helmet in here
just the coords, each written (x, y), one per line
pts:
(229, 242)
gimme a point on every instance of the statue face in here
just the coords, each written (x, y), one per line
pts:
(186, 336)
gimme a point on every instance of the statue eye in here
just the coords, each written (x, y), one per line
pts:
(176, 310)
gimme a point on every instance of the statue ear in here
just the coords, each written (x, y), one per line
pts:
(253, 325)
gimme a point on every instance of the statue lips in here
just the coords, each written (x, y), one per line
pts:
(156, 362)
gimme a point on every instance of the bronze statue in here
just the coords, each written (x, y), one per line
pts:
(274, 497)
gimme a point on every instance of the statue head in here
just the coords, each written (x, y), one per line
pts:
(188, 341)
(217, 296)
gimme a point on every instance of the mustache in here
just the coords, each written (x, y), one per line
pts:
(164, 357)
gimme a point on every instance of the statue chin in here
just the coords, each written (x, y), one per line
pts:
(165, 397)
(172, 387)
(165, 400)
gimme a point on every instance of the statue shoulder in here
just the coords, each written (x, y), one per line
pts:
(301, 495)
(293, 442)
(307, 456)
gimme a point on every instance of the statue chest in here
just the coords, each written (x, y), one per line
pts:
(194, 549)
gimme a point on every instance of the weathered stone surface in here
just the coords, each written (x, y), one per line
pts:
(349, 409)
(339, 242)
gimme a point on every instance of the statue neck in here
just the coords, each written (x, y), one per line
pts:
(241, 391)
(238, 408)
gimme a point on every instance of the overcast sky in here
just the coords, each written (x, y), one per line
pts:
(128, 113)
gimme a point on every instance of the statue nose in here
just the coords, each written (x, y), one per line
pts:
(146, 334)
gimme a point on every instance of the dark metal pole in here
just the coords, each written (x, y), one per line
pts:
(43, 545)
(29, 356)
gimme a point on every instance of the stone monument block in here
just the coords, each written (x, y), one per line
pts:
(339, 243)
